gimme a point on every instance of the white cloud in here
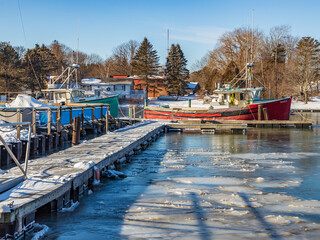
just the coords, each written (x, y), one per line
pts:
(206, 35)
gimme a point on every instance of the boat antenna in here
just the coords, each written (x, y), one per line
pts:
(25, 40)
(77, 55)
(168, 41)
(252, 36)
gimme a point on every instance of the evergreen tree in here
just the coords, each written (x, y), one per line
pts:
(39, 63)
(9, 64)
(176, 71)
(308, 50)
(145, 62)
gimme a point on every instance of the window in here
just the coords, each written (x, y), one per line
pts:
(119, 87)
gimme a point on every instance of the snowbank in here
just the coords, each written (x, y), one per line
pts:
(84, 165)
(313, 103)
(9, 133)
(24, 100)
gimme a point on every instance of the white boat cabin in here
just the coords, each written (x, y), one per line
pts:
(238, 97)
(64, 95)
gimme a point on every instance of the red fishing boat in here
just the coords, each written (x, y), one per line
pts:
(232, 104)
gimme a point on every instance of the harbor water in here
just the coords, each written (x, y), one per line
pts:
(263, 185)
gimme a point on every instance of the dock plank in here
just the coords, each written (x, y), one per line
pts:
(51, 176)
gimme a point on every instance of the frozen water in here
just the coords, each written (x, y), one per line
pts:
(208, 187)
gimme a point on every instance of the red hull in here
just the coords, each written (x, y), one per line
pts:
(277, 110)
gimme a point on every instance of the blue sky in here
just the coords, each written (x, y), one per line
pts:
(195, 25)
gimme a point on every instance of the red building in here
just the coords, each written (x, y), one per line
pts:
(156, 85)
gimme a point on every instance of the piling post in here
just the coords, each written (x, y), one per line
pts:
(260, 111)
(49, 120)
(130, 112)
(58, 116)
(134, 112)
(70, 116)
(107, 121)
(34, 126)
(265, 114)
(18, 120)
(76, 131)
(101, 113)
(92, 115)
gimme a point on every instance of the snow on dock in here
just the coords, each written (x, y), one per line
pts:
(61, 177)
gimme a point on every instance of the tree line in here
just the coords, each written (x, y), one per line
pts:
(29, 69)
(284, 64)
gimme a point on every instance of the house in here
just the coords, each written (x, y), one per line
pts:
(193, 87)
(156, 85)
(118, 84)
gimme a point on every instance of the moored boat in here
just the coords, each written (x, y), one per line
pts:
(276, 110)
(77, 95)
(233, 103)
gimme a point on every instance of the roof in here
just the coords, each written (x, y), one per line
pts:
(116, 80)
(106, 81)
(140, 77)
(192, 85)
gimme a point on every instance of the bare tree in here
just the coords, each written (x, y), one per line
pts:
(122, 57)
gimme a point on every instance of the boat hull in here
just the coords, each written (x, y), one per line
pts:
(277, 110)
(112, 101)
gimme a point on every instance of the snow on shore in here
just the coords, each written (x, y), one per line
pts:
(9, 133)
(313, 103)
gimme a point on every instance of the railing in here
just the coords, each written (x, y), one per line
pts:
(57, 117)
(19, 124)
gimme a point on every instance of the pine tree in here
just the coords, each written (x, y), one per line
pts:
(9, 63)
(39, 63)
(145, 62)
(176, 71)
(308, 50)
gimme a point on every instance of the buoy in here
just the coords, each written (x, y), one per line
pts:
(96, 179)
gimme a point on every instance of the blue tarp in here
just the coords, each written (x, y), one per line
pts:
(65, 115)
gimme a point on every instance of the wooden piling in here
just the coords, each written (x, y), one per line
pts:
(34, 126)
(134, 112)
(260, 112)
(58, 119)
(76, 131)
(18, 120)
(265, 114)
(70, 116)
(92, 114)
(49, 121)
(42, 144)
(107, 121)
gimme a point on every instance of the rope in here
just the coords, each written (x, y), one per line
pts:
(9, 115)
(45, 112)
(1, 130)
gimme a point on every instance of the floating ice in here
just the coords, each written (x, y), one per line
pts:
(260, 179)
(113, 174)
(277, 220)
(72, 207)
(41, 233)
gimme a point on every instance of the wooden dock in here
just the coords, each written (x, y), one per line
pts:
(61, 178)
(230, 126)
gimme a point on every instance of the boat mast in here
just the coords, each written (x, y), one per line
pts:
(250, 65)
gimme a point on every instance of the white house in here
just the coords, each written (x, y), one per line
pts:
(122, 86)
